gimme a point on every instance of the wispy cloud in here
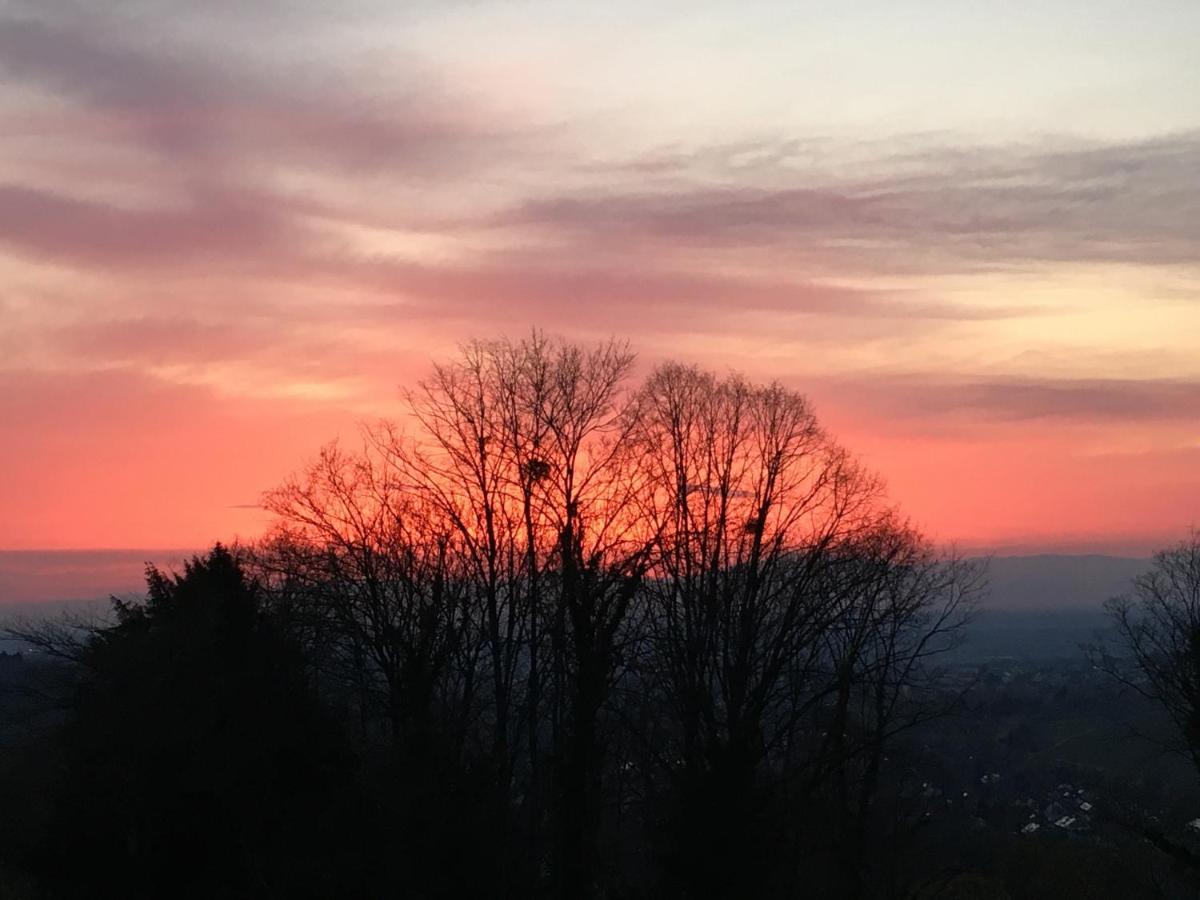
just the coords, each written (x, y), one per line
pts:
(1021, 399)
(232, 110)
(935, 207)
(230, 230)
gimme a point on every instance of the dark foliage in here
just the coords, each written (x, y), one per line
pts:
(198, 762)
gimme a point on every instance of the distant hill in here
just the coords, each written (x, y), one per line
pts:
(1059, 583)
(1046, 582)
(41, 576)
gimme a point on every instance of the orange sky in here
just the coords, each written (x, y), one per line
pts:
(227, 237)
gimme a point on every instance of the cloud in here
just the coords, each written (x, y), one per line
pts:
(581, 291)
(230, 229)
(264, 170)
(938, 207)
(227, 109)
(933, 396)
(157, 340)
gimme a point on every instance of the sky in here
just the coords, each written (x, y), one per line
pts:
(969, 232)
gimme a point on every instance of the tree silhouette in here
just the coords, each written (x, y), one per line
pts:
(199, 763)
(548, 549)
(1157, 626)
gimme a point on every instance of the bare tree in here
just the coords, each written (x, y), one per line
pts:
(1158, 641)
(540, 553)
(502, 523)
(789, 615)
(599, 559)
(749, 497)
(461, 463)
(898, 605)
(1157, 655)
(377, 569)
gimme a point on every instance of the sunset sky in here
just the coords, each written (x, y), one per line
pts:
(970, 232)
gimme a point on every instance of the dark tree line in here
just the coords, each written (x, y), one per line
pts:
(195, 760)
(1155, 652)
(556, 635)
